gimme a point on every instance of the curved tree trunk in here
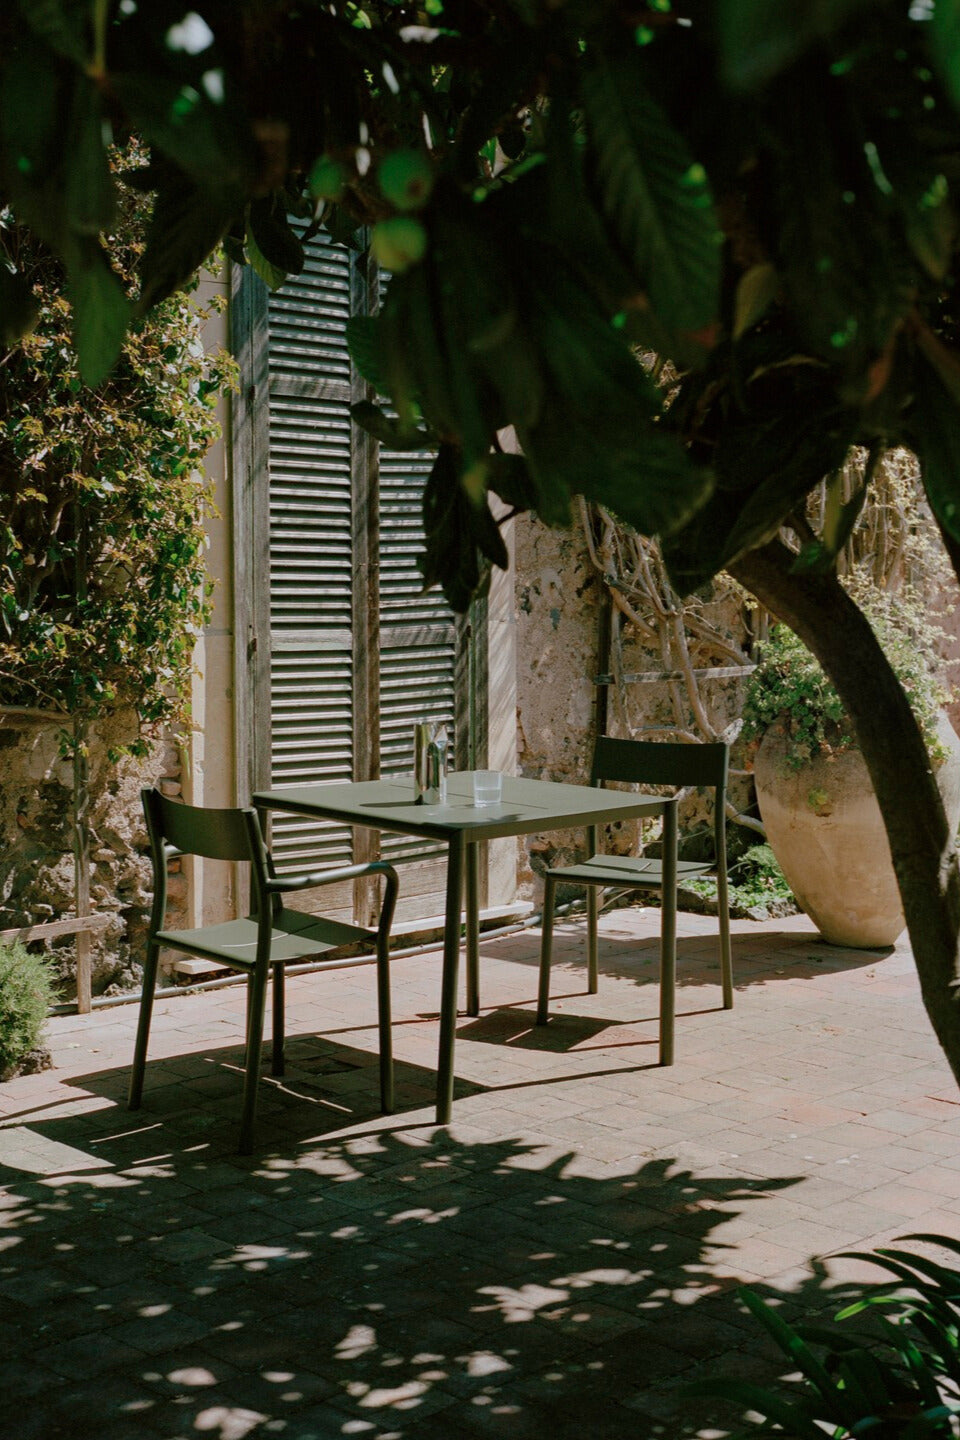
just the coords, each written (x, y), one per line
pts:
(820, 611)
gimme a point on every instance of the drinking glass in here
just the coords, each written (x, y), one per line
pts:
(487, 787)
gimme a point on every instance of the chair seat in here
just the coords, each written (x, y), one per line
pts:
(295, 936)
(630, 871)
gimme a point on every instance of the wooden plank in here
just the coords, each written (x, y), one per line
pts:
(81, 841)
(248, 317)
(654, 677)
(365, 581)
(50, 929)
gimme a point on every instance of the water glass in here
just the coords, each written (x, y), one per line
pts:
(487, 787)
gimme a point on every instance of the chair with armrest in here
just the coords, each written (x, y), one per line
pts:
(271, 937)
(643, 762)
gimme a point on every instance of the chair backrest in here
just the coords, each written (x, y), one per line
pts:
(657, 762)
(213, 834)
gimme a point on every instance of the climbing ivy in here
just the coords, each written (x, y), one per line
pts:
(103, 590)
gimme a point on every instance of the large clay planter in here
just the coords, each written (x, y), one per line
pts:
(824, 826)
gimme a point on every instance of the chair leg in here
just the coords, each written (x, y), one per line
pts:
(384, 1026)
(546, 948)
(726, 955)
(246, 1032)
(279, 1001)
(256, 1007)
(593, 959)
(150, 967)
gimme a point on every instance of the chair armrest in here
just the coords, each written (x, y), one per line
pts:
(315, 878)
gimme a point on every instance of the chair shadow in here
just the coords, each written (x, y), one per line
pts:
(763, 958)
(516, 1026)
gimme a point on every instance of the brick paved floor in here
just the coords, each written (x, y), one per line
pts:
(561, 1260)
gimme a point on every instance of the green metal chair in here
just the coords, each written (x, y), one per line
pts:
(643, 762)
(271, 937)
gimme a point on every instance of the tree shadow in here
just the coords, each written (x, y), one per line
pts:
(392, 1281)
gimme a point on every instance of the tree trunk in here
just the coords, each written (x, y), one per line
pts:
(820, 611)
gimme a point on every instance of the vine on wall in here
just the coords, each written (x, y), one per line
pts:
(102, 584)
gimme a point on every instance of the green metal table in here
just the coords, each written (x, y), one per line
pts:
(527, 807)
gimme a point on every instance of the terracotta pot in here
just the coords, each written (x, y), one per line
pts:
(824, 826)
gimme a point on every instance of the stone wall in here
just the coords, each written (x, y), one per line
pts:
(37, 868)
(559, 597)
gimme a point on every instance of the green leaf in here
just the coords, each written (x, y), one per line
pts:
(558, 197)
(204, 139)
(509, 477)
(598, 433)
(758, 39)
(90, 194)
(101, 311)
(31, 123)
(935, 431)
(798, 1351)
(821, 556)
(458, 530)
(791, 1418)
(186, 226)
(365, 343)
(847, 272)
(450, 555)
(18, 308)
(260, 265)
(388, 431)
(276, 239)
(655, 196)
(757, 289)
(945, 44)
(872, 1382)
(342, 228)
(60, 23)
(485, 329)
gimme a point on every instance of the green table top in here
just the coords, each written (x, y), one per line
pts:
(526, 807)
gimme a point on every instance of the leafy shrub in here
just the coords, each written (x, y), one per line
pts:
(25, 994)
(756, 882)
(788, 684)
(103, 589)
(903, 1381)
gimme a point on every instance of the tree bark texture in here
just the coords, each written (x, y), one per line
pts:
(818, 609)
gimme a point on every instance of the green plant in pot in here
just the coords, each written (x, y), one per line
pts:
(821, 815)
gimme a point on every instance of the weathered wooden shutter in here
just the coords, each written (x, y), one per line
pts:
(357, 653)
(311, 544)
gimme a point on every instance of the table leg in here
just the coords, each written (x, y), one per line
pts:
(668, 933)
(448, 990)
(472, 893)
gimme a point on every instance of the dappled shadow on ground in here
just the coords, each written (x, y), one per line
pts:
(396, 1281)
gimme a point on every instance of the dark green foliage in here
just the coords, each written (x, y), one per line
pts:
(102, 581)
(789, 686)
(765, 195)
(900, 1380)
(756, 883)
(25, 993)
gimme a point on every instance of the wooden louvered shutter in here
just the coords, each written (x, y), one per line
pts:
(311, 544)
(356, 653)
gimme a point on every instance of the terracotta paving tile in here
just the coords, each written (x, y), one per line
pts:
(560, 1259)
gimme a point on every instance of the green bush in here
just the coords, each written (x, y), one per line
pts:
(26, 990)
(789, 686)
(901, 1382)
(756, 883)
(103, 584)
